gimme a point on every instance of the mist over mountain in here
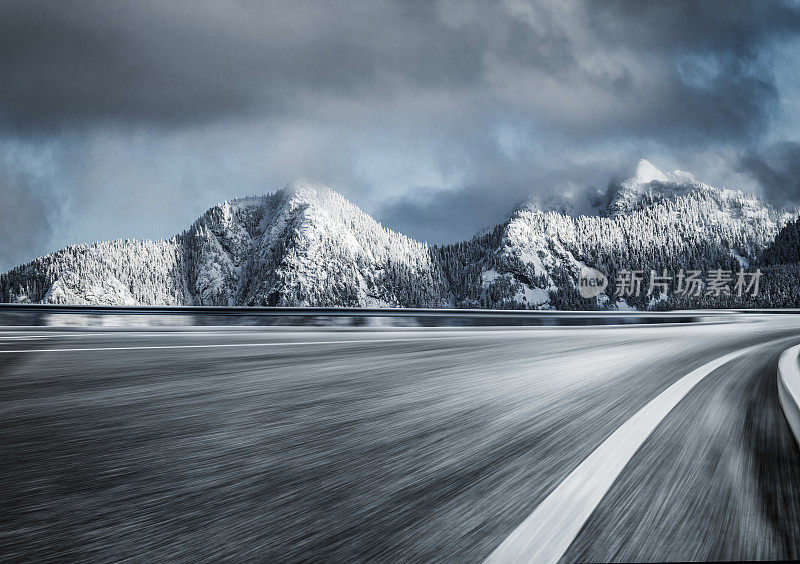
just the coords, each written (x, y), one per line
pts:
(306, 245)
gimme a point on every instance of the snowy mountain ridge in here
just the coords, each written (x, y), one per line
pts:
(650, 184)
(654, 220)
(308, 245)
(303, 245)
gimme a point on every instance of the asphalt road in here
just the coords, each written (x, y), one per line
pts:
(209, 444)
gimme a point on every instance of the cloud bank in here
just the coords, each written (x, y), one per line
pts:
(437, 117)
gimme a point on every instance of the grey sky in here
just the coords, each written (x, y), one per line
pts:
(128, 119)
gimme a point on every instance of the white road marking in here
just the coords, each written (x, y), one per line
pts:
(57, 336)
(61, 335)
(546, 534)
(228, 345)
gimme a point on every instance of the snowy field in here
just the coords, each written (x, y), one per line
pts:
(413, 444)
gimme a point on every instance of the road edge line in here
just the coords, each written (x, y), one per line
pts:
(789, 388)
(546, 534)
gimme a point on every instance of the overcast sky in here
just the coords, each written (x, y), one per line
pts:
(129, 119)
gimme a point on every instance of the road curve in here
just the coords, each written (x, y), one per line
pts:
(407, 445)
(546, 533)
(718, 480)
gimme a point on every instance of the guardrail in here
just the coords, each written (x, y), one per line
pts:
(789, 387)
(45, 314)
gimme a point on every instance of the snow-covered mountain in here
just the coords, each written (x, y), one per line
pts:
(307, 245)
(304, 245)
(652, 221)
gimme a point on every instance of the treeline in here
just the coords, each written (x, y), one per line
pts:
(307, 245)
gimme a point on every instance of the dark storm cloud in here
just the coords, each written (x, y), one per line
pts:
(189, 100)
(499, 186)
(25, 215)
(735, 25)
(177, 62)
(777, 171)
(621, 64)
(447, 216)
(716, 83)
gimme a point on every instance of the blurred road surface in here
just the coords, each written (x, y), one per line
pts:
(414, 445)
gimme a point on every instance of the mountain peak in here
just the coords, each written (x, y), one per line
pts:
(628, 195)
(304, 190)
(646, 172)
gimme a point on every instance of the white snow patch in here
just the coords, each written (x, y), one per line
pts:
(535, 296)
(744, 262)
(622, 305)
(490, 276)
(646, 172)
